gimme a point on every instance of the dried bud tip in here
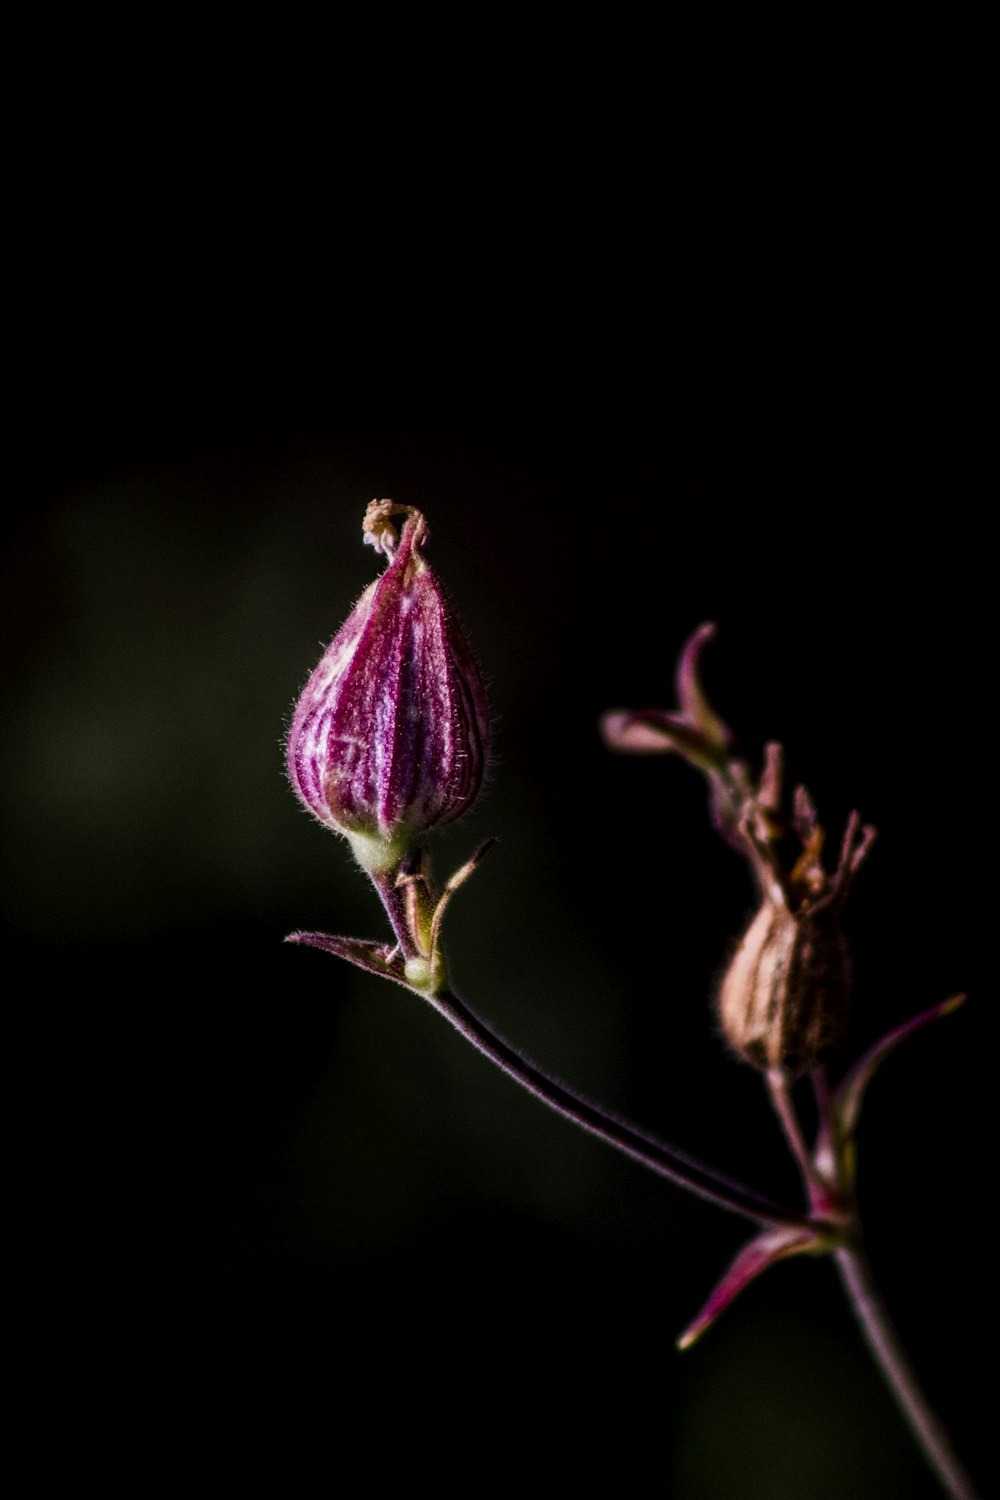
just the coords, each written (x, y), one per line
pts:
(379, 532)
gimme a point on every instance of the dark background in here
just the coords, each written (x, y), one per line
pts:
(283, 1202)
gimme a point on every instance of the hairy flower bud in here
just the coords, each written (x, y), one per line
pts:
(390, 735)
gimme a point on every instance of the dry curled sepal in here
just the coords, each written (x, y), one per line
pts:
(694, 731)
(382, 959)
(697, 733)
(754, 1258)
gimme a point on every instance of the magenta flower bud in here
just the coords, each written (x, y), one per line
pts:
(390, 735)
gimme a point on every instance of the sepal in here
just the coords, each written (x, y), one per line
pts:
(836, 1141)
(383, 959)
(766, 1250)
(696, 732)
(421, 967)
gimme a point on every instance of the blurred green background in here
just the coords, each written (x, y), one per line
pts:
(285, 1192)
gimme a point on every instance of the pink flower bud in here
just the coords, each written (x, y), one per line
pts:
(390, 735)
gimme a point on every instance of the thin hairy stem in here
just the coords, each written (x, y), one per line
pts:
(883, 1341)
(658, 1157)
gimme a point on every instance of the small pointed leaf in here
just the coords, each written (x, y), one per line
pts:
(376, 958)
(850, 1094)
(755, 1257)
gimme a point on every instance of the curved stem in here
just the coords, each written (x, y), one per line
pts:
(883, 1341)
(660, 1158)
